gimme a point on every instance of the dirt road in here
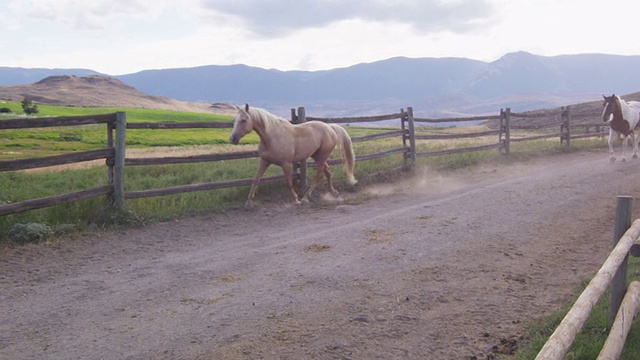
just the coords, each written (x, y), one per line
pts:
(436, 267)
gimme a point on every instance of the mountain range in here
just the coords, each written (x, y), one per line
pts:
(434, 87)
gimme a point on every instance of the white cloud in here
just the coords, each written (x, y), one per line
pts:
(281, 17)
(90, 15)
(124, 36)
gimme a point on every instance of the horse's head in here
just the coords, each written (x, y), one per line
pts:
(242, 125)
(609, 105)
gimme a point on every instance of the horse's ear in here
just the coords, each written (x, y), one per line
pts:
(246, 107)
(604, 97)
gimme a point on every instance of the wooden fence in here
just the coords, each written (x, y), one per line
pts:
(115, 160)
(624, 301)
(114, 153)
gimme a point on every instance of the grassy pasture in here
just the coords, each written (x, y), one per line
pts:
(51, 141)
(22, 185)
(182, 142)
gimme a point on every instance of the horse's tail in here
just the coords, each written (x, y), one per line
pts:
(347, 152)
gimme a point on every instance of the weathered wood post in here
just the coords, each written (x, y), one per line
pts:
(403, 127)
(120, 149)
(300, 119)
(566, 119)
(505, 127)
(111, 127)
(624, 205)
(412, 136)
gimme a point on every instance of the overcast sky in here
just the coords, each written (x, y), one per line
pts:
(125, 36)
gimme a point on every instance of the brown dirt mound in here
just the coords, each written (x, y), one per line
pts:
(101, 91)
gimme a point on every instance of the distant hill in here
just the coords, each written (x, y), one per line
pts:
(434, 87)
(104, 91)
(22, 76)
(99, 91)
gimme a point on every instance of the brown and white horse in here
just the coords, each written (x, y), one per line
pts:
(282, 144)
(623, 118)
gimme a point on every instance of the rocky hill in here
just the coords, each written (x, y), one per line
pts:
(100, 91)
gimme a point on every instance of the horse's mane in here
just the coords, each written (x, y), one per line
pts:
(269, 120)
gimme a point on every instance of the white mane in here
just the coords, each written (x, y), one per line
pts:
(268, 119)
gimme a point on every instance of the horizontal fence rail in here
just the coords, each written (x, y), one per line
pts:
(180, 125)
(7, 209)
(360, 119)
(498, 145)
(56, 121)
(200, 187)
(34, 163)
(407, 135)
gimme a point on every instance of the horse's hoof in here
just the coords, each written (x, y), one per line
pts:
(612, 159)
(305, 200)
(248, 205)
(635, 156)
(623, 159)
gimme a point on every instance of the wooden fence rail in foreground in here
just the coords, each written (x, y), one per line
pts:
(116, 160)
(612, 272)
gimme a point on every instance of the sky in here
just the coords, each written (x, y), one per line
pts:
(117, 37)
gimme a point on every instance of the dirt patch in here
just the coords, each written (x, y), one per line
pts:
(439, 266)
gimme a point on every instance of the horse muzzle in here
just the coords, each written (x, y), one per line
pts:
(234, 140)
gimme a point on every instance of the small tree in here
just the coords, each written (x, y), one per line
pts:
(29, 107)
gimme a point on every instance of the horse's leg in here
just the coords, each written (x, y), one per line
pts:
(262, 167)
(327, 174)
(316, 180)
(625, 139)
(636, 139)
(612, 155)
(287, 169)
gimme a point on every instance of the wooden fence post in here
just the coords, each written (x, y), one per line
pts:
(566, 117)
(412, 136)
(300, 119)
(111, 127)
(505, 126)
(120, 149)
(403, 127)
(624, 205)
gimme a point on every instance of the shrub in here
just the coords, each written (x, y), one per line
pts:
(29, 107)
(31, 232)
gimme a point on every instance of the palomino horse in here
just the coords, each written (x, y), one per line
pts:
(623, 119)
(282, 144)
